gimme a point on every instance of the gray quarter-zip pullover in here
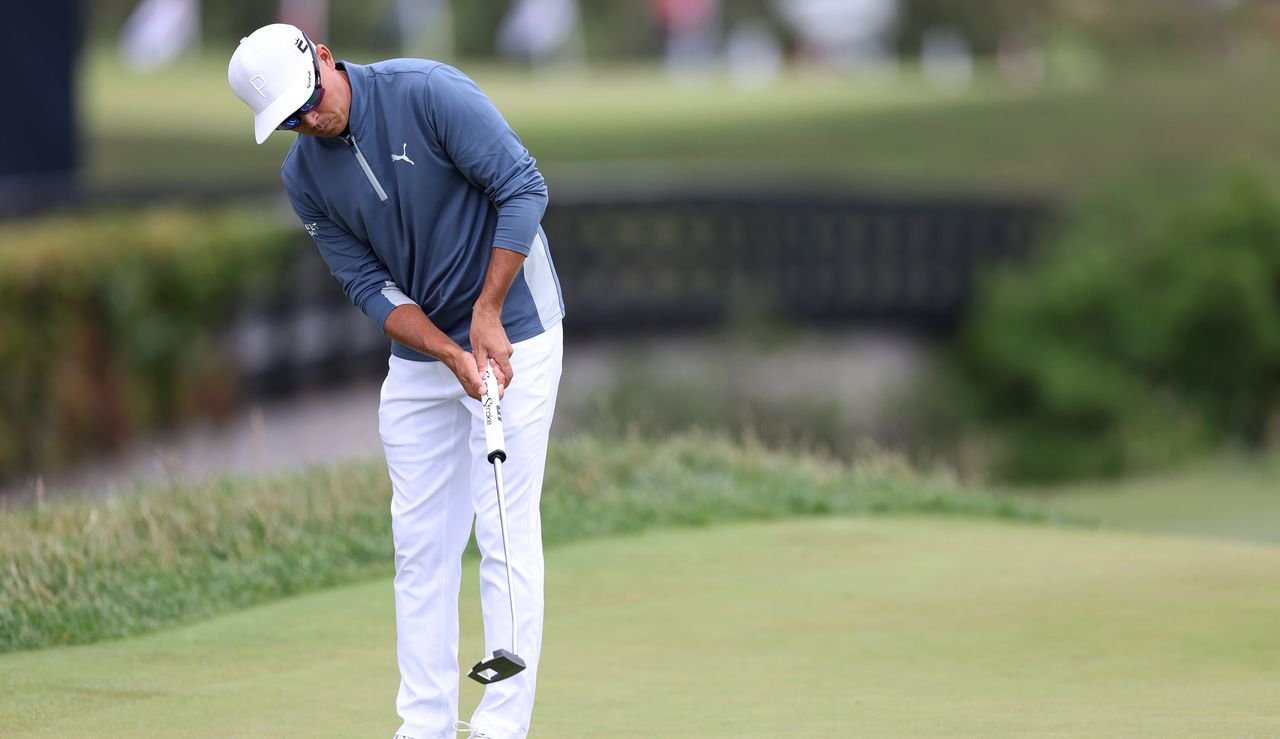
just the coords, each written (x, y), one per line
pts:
(408, 206)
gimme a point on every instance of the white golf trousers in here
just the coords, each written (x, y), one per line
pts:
(440, 481)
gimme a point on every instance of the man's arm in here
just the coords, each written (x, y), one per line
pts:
(488, 337)
(408, 325)
(364, 277)
(367, 282)
(489, 154)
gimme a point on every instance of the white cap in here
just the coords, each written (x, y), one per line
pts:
(273, 72)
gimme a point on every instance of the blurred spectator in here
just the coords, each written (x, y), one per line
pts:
(854, 33)
(947, 59)
(691, 31)
(536, 30)
(312, 16)
(755, 56)
(158, 31)
(426, 28)
(1020, 60)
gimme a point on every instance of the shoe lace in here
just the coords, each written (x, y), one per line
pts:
(472, 733)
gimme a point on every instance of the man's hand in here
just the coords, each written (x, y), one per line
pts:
(489, 340)
(463, 366)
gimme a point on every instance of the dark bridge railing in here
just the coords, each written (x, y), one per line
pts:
(694, 260)
(637, 264)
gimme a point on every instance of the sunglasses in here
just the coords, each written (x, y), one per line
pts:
(317, 95)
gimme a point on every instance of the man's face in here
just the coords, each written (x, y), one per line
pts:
(329, 118)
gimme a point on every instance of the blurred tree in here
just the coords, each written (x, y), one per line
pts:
(1149, 330)
(981, 22)
(476, 27)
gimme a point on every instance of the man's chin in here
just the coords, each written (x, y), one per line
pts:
(327, 131)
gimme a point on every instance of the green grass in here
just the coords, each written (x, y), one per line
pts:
(183, 126)
(835, 627)
(1234, 498)
(79, 572)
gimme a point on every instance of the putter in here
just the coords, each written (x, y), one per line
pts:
(502, 664)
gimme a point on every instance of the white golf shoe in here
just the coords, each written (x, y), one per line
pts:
(461, 726)
(471, 733)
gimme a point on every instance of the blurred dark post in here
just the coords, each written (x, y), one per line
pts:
(39, 151)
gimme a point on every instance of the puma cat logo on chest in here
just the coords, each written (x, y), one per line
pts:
(403, 156)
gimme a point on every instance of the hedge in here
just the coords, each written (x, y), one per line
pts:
(110, 323)
(1148, 332)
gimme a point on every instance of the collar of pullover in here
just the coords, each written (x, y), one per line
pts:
(361, 83)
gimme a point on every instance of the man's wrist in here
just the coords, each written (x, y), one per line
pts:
(486, 310)
(451, 354)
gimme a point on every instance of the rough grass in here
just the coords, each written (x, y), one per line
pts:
(78, 572)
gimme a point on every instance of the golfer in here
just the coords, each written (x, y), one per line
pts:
(426, 207)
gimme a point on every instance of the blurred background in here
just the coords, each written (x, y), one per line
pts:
(1027, 242)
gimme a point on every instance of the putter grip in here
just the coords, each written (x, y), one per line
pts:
(491, 412)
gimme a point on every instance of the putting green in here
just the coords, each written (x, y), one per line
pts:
(817, 628)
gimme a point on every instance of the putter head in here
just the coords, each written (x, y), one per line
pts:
(500, 666)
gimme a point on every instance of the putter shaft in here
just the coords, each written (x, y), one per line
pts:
(506, 548)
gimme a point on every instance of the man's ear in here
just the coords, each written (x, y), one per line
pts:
(325, 56)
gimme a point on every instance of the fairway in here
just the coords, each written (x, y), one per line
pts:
(837, 627)
(1230, 498)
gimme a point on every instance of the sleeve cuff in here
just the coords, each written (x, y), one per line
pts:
(510, 245)
(379, 310)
